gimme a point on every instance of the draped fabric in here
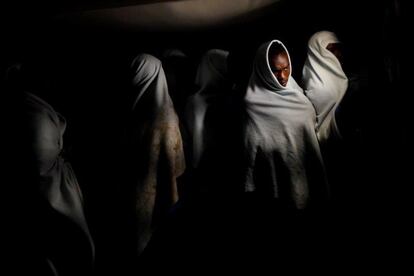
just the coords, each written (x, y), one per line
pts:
(157, 149)
(284, 158)
(213, 91)
(325, 82)
(58, 186)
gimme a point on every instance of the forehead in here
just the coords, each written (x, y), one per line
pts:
(279, 58)
(280, 54)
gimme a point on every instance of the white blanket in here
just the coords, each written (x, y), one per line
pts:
(280, 135)
(325, 83)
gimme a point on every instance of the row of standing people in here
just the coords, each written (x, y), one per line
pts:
(265, 140)
(289, 129)
(267, 143)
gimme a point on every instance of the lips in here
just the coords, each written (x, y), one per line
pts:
(282, 82)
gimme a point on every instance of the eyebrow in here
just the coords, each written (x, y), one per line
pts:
(274, 68)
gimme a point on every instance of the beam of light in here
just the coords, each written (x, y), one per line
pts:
(171, 15)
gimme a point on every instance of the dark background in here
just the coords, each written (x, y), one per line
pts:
(84, 68)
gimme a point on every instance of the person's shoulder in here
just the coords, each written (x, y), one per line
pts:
(35, 102)
(39, 111)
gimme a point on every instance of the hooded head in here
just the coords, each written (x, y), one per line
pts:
(272, 66)
(324, 47)
(279, 63)
(212, 71)
(149, 78)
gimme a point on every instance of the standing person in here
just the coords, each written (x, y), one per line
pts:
(283, 154)
(156, 149)
(52, 207)
(324, 81)
(338, 113)
(212, 129)
(214, 89)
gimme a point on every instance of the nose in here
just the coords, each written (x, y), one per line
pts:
(285, 75)
(282, 77)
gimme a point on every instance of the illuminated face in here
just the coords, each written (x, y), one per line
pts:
(280, 66)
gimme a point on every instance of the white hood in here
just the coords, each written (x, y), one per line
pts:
(325, 82)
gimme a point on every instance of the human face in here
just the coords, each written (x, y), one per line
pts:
(336, 49)
(280, 66)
